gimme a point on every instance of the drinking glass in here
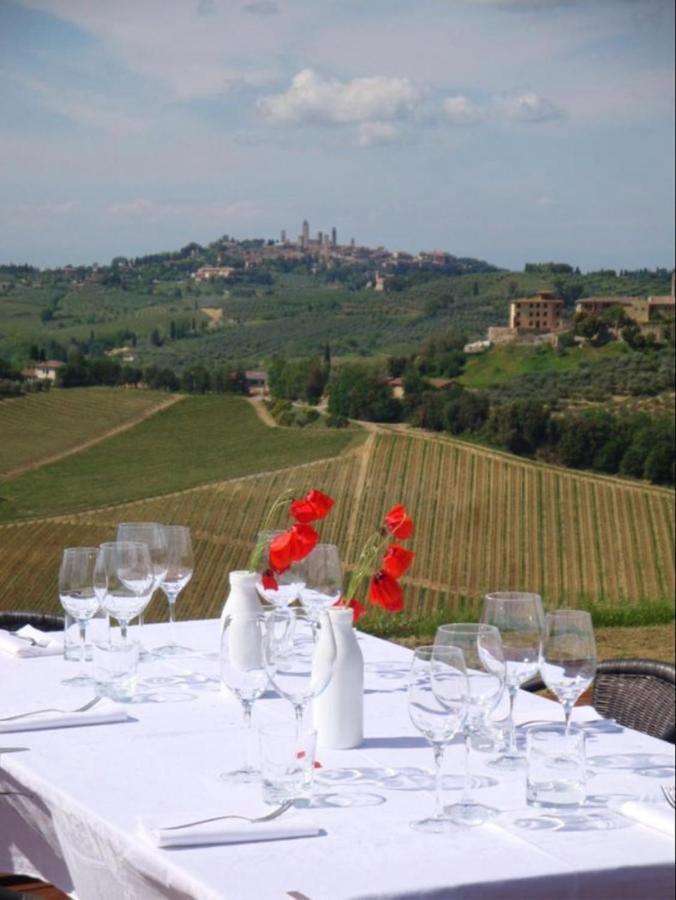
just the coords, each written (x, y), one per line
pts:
(485, 662)
(437, 705)
(79, 598)
(287, 764)
(557, 769)
(568, 663)
(177, 574)
(288, 583)
(124, 580)
(152, 534)
(243, 674)
(322, 580)
(520, 620)
(298, 657)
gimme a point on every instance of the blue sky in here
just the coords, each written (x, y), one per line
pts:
(511, 130)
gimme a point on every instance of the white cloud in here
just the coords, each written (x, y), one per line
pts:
(217, 213)
(459, 110)
(528, 107)
(261, 8)
(42, 213)
(369, 133)
(313, 99)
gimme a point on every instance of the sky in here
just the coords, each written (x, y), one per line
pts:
(509, 130)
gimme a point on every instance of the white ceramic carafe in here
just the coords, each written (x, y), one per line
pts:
(243, 596)
(338, 712)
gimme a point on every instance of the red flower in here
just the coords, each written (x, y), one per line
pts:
(386, 591)
(397, 560)
(355, 606)
(313, 506)
(399, 523)
(269, 580)
(292, 546)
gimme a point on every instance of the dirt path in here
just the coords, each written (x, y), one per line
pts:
(125, 426)
(262, 412)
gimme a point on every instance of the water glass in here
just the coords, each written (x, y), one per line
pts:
(115, 669)
(98, 631)
(287, 764)
(556, 766)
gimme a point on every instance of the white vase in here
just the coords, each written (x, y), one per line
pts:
(243, 596)
(339, 711)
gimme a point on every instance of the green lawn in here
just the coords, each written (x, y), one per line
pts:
(201, 439)
(500, 364)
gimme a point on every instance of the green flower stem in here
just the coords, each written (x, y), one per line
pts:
(367, 562)
(257, 552)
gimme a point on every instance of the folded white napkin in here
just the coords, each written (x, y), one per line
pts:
(48, 643)
(228, 831)
(104, 711)
(659, 815)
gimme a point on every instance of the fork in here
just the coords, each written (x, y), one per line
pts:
(36, 712)
(669, 791)
(32, 641)
(268, 818)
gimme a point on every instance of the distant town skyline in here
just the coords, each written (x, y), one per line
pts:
(507, 130)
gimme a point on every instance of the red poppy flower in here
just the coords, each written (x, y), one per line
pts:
(386, 591)
(355, 606)
(313, 506)
(292, 546)
(399, 523)
(397, 560)
(269, 580)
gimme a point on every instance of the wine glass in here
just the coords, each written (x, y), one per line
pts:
(177, 574)
(298, 657)
(437, 706)
(520, 620)
(152, 534)
(485, 661)
(288, 582)
(243, 673)
(568, 662)
(322, 580)
(79, 598)
(124, 580)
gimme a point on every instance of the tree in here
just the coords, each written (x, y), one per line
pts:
(357, 393)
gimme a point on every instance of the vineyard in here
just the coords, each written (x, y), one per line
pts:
(39, 427)
(484, 521)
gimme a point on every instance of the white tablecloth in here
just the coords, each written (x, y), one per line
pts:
(90, 785)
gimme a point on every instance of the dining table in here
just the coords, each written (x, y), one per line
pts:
(78, 803)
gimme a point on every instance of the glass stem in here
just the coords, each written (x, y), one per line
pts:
(123, 631)
(466, 798)
(511, 746)
(172, 618)
(567, 711)
(438, 780)
(299, 710)
(82, 629)
(248, 707)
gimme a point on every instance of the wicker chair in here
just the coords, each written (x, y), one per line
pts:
(637, 693)
(17, 619)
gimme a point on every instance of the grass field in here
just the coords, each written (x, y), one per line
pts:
(37, 427)
(484, 521)
(200, 439)
(500, 365)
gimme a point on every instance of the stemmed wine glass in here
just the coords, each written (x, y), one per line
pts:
(322, 580)
(568, 662)
(298, 657)
(152, 534)
(78, 597)
(485, 661)
(124, 580)
(288, 583)
(177, 574)
(520, 619)
(243, 673)
(437, 705)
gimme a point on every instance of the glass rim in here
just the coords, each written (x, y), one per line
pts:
(568, 613)
(122, 544)
(558, 729)
(140, 525)
(468, 628)
(81, 549)
(428, 651)
(513, 595)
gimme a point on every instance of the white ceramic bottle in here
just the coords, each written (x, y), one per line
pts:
(339, 711)
(243, 596)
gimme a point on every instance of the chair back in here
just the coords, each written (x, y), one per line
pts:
(15, 619)
(637, 693)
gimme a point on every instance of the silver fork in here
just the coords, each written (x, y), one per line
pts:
(669, 791)
(36, 712)
(32, 641)
(268, 818)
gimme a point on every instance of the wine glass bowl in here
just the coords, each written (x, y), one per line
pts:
(321, 580)
(288, 583)
(124, 580)
(176, 575)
